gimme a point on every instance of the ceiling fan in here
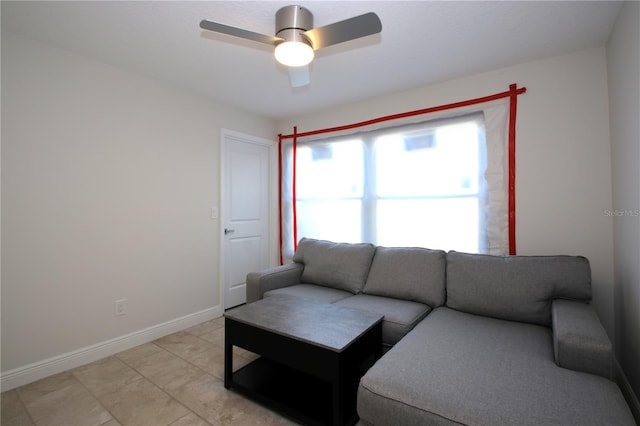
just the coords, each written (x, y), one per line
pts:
(296, 40)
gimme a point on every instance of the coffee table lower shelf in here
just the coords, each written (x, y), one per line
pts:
(295, 394)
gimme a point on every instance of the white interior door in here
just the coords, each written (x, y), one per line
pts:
(245, 212)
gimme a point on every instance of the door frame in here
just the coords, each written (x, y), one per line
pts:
(225, 138)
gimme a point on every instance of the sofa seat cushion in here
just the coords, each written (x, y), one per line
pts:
(313, 292)
(409, 273)
(338, 265)
(458, 368)
(400, 316)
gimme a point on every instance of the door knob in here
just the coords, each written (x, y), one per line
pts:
(228, 231)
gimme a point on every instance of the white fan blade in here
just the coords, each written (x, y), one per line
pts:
(299, 76)
(205, 24)
(349, 29)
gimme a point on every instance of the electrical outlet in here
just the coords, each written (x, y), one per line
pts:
(120, 307)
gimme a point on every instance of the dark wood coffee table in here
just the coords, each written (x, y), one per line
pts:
(312, 356)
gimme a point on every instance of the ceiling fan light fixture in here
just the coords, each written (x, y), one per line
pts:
(294, 53)
(296, 39)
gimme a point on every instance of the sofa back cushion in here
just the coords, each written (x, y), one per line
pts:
(338, 265)
(408, 273)
(517, 288)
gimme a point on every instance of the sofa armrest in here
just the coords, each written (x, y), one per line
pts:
(579, 339)
(258, 283)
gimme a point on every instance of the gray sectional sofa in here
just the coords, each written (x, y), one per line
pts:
(468, 339)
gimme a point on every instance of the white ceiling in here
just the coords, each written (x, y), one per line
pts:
(422, 42)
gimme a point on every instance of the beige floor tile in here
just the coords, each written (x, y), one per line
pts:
(36, 390)
(216, 337)
(142, 403)
(152, 384)
(190, 419)
(167, 370)
(244, 353)
(206, 327)
(69, 405)
(183, 344)
(138, 352)
(12, 411)
(112, 422)
(219, 320)
(247, 412)
(218, 406)
(211, 361)
(106, 375)
(206, 396)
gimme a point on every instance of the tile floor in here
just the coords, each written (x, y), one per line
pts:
(176, 380)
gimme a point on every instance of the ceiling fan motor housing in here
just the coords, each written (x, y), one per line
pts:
(292, 22)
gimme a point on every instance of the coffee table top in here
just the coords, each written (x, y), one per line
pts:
(322, 324)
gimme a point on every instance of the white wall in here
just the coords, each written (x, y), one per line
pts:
(107, 183)
(623, 59)
(563, 170)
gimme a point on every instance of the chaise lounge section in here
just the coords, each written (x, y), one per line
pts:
(516, 344)
(469, 339)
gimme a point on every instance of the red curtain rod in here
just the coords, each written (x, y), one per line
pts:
(513, 91)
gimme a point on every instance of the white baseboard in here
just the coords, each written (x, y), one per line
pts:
(39, 370)
(627, 391)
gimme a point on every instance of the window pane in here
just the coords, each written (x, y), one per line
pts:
(419, 185)
(443, 160)
(445, 223)
(337, 220)
(330, 170)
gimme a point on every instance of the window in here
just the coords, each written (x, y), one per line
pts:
(415, 185)
(447, 182)
(429, 186)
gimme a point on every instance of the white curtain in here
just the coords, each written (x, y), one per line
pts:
(343, 187)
